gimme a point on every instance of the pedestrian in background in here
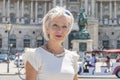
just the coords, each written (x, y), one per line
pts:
(118, 58)
(91, 61)
(52, 61)
(108, 63)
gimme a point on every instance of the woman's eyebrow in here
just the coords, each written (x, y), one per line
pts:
(54, 24)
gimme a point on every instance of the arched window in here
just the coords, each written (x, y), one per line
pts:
(13, 40)
(39, 41)
(26, 41)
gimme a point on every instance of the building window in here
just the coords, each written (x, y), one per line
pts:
(12, 19)
(40, 8)
(0, 41)
(58, 3)
(13, 42)
(118, 44)
(106, 8)
(39, 43)
(26, 20)
(26, 7)
(105, 44)
(39, 20)
(119, 6)
(26, 41)
(11, 6)
(0, 17)
(118, 20)
(106, 21)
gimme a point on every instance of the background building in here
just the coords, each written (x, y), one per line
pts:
(26, 15)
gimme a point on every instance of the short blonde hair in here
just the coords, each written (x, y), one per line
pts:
(56, 12)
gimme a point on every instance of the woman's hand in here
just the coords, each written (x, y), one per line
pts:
(31, 73)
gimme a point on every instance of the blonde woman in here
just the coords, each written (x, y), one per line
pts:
(52, 61)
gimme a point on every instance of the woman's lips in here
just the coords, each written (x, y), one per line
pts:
(59, 36)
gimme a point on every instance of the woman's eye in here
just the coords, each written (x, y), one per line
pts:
(64, 26)
(55, 25)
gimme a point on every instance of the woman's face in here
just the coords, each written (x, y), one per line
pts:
(58, 29)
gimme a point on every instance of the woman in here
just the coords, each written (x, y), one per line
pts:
(52, 61)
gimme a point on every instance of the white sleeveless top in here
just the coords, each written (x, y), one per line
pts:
(51, 67)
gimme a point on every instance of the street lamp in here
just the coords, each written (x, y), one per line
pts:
(8, 27)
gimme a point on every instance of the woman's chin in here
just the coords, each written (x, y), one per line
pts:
(59, 39)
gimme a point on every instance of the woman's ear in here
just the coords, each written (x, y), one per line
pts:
(47, 30)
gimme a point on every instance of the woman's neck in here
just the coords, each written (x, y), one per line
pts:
(55, 48)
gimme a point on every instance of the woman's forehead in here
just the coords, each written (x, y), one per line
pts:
(60, 19)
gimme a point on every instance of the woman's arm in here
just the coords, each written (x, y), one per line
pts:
(31, 73)
(75, 77)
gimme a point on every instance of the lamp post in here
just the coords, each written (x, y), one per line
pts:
(8, 27)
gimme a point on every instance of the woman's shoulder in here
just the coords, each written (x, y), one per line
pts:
(32, 51)
(72, 53)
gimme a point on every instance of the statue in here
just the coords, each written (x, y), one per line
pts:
(82, 22)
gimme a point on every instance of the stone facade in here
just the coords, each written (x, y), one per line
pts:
(26, 15)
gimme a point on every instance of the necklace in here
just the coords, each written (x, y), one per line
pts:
(59, 55)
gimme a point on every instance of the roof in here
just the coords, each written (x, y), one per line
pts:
(112, 51)
(104, 51)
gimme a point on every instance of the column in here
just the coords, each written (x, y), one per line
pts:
(61, 2)
(82, 3)
(18, 17)
(36, 8)
(101, 13)
(22, 12)
(45, 8)
(89, 45)
(96, 13)
(31, 15)
(115, 14)
(8, 10)
(93, 8)
(50, 5)
(3, 12)
(110, 12)
(54, 3)
(86, 5)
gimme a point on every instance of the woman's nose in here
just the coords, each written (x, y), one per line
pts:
(59, 28)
